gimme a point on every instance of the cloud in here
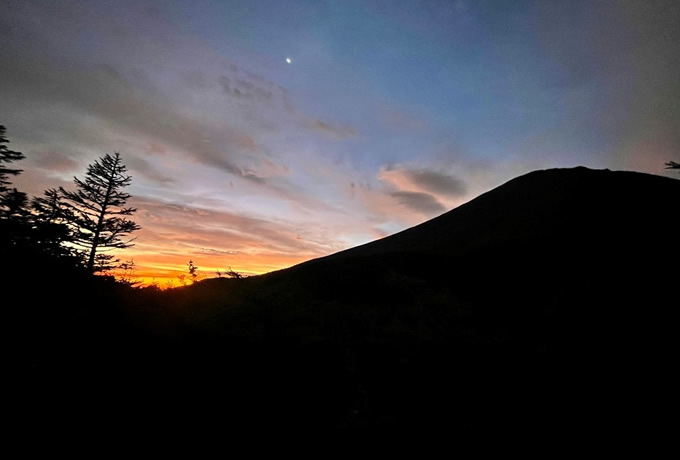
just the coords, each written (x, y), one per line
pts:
(241, 88)
(91, 103)
(174, 232)
(55, 161)
(423, 180)
(116, 112)
(333, 131)
(216, 252)
(129, 89)
(435, 182)
(407, 195)
(143, 167)
(423, 203)
(247, 86)
(178, 224)
(386, 209)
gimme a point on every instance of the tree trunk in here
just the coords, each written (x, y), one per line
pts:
(100, 223)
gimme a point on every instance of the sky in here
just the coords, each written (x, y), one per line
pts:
(260, 134)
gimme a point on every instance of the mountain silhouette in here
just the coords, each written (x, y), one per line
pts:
(592, 206)
(548, 239)
(546, 302)
(544, 306)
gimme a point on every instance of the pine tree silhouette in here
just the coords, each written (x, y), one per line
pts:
(14, 226)
(95, 211)
(7, 156)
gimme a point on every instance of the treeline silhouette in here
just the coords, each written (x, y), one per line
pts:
(545, 308)
(69, 227)
(66, 321)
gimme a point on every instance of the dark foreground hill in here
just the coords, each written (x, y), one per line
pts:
(546, 306)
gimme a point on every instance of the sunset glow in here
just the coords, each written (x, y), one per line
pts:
(262, 134)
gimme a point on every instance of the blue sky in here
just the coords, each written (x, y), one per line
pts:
(389, 113)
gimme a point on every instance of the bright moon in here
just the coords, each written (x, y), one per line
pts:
(288, 60)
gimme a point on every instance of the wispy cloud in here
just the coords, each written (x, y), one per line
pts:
(174, 112)
(423, 180)
(138, 165)
(52, 161)
(334, 131)
(423, 203)
(172, 233)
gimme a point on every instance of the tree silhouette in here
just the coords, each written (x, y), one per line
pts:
(229, 274)
(14, 220)
(95, 211)
(193, 269)
(13, 204)
(126, 276)
(233, 274)
(14, 226)
(7, 156)
(49, 220)
(672, 165)
(49, 207)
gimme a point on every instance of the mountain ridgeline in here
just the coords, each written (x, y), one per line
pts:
(547, 304)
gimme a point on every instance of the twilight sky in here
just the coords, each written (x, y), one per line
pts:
(260, 134)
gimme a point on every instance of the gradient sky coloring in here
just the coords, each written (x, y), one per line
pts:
(260, 134)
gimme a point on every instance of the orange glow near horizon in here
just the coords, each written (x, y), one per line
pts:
(165, 271)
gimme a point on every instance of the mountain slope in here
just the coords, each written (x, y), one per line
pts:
(589, 203)
(543, 303)
(563, 277)
(547, 305)
(545, 236)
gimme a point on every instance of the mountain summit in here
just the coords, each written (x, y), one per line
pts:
(591, 206)
(539, 241)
